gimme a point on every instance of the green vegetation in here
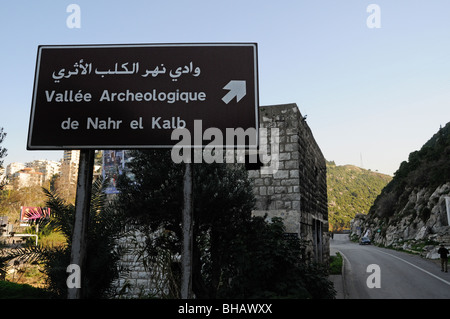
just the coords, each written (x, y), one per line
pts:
(336, 264)
(266, 265)
(235, 255)
(11, 290)
(105, 225)
(427, 168)
(3, 153)
(351, 190)
(11, 200)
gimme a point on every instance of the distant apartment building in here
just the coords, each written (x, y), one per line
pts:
(26, 177)
(47, 168)
(69, 167)
(12, 168)
(37, 172)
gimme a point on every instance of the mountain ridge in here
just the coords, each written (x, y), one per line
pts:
(351, 190)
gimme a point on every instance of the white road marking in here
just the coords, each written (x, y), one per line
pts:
(427, 272)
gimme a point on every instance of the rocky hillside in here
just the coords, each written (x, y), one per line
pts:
(410, 212)
(351, 190)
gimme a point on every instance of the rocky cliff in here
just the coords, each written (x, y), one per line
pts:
(411, 213)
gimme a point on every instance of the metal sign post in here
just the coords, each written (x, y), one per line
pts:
(80, 227)
(187, 225)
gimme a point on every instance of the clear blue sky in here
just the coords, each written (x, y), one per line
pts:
(376, 94)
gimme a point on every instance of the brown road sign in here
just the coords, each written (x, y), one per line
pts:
(134, 96)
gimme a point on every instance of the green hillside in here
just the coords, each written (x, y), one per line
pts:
(351, 190)
(427, 168)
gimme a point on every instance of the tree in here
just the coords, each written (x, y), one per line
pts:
(265, 264)
(3, 153)
(223, 198)
(231, 255)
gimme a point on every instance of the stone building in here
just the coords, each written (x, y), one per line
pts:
(297, 189)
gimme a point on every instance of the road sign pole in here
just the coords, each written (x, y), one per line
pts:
(187, 228)
(80, 227)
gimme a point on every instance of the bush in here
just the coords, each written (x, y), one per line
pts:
(235, 255)
(266, 265)
(336, 264)
(11, 290)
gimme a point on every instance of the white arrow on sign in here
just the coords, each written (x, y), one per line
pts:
(237, 89)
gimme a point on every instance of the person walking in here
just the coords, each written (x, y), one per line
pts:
(443, 252)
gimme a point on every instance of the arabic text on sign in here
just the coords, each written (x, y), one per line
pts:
(81, 68)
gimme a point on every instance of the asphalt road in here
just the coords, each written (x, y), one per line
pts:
(399, 275)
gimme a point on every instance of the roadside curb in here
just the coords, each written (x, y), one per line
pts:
(339, 280)
(344, 285)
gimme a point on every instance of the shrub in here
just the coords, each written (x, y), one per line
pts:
(336, 264)
(11, 290)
